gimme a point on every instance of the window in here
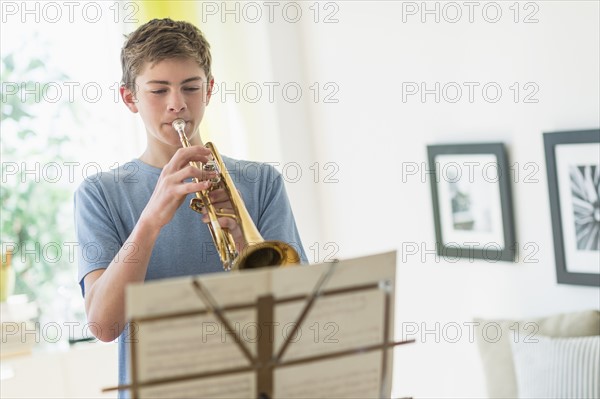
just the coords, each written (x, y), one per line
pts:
(62, 122)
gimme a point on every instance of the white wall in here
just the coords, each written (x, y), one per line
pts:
(371, 134)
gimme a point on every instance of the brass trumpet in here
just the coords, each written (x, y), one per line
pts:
(257, 252)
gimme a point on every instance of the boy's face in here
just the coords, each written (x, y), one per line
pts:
(170, 89)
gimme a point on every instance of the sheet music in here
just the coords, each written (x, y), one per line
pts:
(334, 324)
(225, 387)
(196, 344)
(356, 376)
(168, 296)
(176, 347)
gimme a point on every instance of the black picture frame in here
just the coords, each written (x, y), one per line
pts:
(574, 244)
(447, 208)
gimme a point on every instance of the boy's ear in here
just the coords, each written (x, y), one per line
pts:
(128, 98)
(209, 90)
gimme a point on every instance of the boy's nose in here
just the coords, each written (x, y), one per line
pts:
(176, 103)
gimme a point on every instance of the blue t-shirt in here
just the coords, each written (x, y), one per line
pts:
(108, 206)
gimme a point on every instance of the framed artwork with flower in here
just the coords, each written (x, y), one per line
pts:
(573, 166)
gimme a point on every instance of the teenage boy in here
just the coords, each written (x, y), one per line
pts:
(134, 224)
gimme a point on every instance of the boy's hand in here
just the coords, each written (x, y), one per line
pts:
(223, 206)
(171, 188)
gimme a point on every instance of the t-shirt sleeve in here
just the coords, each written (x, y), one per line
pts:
(97, 239)
(276, 220)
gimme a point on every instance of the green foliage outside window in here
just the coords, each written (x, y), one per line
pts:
(36, 199)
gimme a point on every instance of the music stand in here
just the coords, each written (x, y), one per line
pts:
(268, 359)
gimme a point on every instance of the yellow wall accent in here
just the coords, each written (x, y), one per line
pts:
(177, 10)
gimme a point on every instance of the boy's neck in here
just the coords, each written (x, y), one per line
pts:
(158, 159)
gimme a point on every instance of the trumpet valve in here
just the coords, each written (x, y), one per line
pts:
(196, 204)
(211, 166)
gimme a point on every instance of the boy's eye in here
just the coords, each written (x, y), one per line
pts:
(162, 91)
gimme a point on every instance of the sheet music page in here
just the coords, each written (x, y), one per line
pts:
(336, 323)
(224, 387)
(191, 345)
(168, 296)
(333, 324)
(180, 346)
(356, 376)
(180, 338)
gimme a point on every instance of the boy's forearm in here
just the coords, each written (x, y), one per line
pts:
(105, 299)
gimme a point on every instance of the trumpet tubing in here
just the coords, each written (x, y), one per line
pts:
(257, 252)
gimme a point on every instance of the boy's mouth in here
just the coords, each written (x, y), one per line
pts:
(187, 125)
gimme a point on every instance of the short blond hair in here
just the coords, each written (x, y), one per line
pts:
(161, 39)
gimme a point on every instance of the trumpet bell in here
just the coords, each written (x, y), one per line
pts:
(266, 253)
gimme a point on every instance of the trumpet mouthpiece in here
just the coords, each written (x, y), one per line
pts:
(178, 125)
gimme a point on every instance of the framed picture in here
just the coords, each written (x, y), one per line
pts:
(573, 165)
(472, 203)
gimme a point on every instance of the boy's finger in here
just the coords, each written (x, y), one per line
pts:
(183, 156)
(188, 172)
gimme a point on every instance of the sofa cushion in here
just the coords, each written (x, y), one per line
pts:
(558, 368)
(494, 337)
